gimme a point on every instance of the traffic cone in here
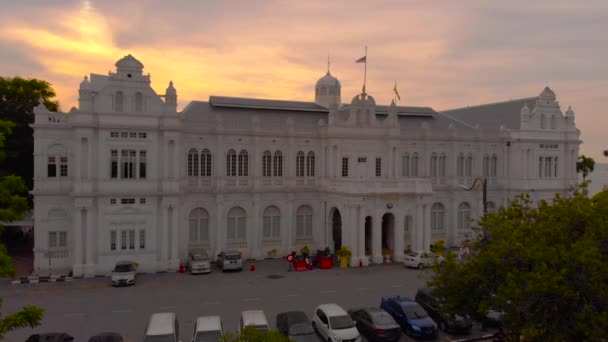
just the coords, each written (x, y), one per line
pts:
(360, 263)
(181, 268)
(252, 267)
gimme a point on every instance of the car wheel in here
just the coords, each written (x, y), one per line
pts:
(420, 266)
(442, 326)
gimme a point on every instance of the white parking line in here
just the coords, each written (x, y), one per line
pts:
(329, 291)
(250, 299)
(122, 311)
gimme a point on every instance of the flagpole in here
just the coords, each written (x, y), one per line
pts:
(365, 70)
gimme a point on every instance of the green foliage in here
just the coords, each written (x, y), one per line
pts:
(438, 247)
(545, 267)
(585, 165)
(250, 334)
(344, 252)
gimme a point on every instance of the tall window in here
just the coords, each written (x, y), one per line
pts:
(442, 164)
(434, 165)
(540, 167)
(127, 164)
(277, 164)
(266, 163)
(464, 216)
(142, 164)
(198, 221)
(237, 225)
(345, 167)
(310, 164)
(407, 230)
(243, 164)
(494, 166)
(142, 239)
(57, 162)
(231, 163)
(468, 171)
(555, 167)
(543, 123)
(114, 164)
(460, 165)
(437, 221)
(553, 122)
(272, 223)
(58, 239)
(206, 163)
(123, 240)
(548, 166)
(304, 223)
(415, 170)
(132, 165)
(192, 163)
(139, 102)
(300, 164)
(118, 101)
(112, 240)
(486, 165)
(405, 172)
(378, 167)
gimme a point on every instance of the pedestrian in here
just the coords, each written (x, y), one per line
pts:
(291, 259)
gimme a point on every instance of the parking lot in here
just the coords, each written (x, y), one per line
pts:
(85, 307)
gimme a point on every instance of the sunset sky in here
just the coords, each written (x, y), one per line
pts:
(443, 54)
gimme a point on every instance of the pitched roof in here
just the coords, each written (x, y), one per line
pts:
(240, 102)
(492, 115)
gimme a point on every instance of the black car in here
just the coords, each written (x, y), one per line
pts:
(375, 324)
(297, 326)
(50, 337)
(106, 337)
(446, 322)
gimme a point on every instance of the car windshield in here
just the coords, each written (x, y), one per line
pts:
(382, 318)
(414, 311)
(123, 268)
(160, 338)
(300, 329)
(233, 256)
(199, 256)
(341, 322)
(208, 336)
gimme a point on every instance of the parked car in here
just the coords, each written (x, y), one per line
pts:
(376, 324)
(198, 261)
(254, 318)
(410, 316)
(106, 337)
(50, 337)
(123, 273)
(420, 259)
(208, 329)
(297, 326)
(446, 322)
(230, 260)
(334, 324)
(162, 327)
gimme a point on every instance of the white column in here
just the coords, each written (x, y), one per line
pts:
(175, 239)
(78, 248)
(418, 231)
(427, 227)
(377, 257)
(90, 251)
(361, 232)
(220, 225)
(399, 237)
(254, 231)
(164, 238)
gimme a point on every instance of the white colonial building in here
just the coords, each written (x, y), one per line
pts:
(127, 176)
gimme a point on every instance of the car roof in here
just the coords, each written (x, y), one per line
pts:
(400, 299)
(231, 251)
(208, 323)
(332, 309)
(254, 317)
(161, 324)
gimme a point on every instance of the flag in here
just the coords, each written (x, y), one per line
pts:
(396, 92)
(362, 60)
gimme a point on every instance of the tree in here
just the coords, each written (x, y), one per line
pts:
(13, 204)
(250, 334)
(545, 268)
(18, 97)
(585, 165)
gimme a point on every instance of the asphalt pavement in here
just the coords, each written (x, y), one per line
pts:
(85, 307)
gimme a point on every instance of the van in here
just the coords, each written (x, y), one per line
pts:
(255, 319)
(162, 327)
(208, 329)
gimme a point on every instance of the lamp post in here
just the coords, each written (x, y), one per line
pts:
(484, 184)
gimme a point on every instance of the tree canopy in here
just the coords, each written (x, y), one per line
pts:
(544, 267)
(585, 165)
(18, 97)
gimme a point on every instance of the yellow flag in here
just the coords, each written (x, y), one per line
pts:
(396, 92)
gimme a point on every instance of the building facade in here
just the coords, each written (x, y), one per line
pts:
(125, 176)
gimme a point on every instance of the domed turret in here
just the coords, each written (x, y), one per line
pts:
(171, 97)
(547, 95)
(570, 116)
(84, 95)
(129, 66)
(327, 91)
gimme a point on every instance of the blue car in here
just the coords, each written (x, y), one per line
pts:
(410, 316)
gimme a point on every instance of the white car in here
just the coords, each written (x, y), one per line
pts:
(198, 262)
(420, 259)
(334, 324)
(254, 318)
(123, 274)
(208, 329)
(230, 260)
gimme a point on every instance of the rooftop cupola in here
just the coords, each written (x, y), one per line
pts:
(327, 91)
(171, 97)
(85, 95)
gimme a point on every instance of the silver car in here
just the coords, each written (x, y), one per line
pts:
(123, 273)
(230, 260)
(198, 261)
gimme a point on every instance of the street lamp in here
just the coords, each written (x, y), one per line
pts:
(484, 184)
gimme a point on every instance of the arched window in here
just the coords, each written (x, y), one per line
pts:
(57, 161)
(434, 164)
(460, 165)
(139, 102)
(243, 164)
(468, 171)
(486, 165)
(464, 217)
(494, 166)
(266, 163)
(405, 172)
(272, 223)
(231, 163)
(553, 122)
(304, 223)
(310, 164)
(442, 164)
(118, 101)
(415, 170)
(237, 227)
(277, 164)
(438, 222)
(206, 163)
(198, 223)
(192, 163)
(300, 164)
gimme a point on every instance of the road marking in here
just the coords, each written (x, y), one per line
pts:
(396, 285)
(329, 291)
(210, 303)
(122, 311)
(76, 314)
(250, 299)
(362, 289)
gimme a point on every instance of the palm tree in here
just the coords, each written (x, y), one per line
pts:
(585, 165)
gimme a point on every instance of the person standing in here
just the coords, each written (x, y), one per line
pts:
(291, 259)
